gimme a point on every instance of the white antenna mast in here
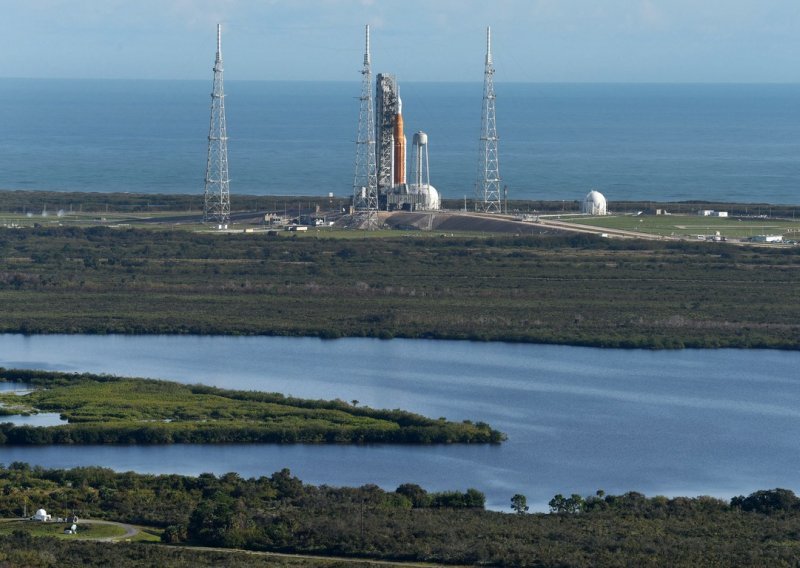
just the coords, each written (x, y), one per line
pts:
(366, 49)
(219, 42)
(488, 46)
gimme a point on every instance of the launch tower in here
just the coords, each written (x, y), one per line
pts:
(487, 189)
(217, 202)
(386, 111)
(365, 184)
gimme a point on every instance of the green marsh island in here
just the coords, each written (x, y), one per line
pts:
(103, 409)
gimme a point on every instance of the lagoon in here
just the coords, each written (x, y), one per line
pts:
(689, 422)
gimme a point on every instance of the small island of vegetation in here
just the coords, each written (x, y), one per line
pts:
(102, 409)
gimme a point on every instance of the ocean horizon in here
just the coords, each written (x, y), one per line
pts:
(631, 141)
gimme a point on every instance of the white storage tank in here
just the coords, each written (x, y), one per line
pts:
(594, 204)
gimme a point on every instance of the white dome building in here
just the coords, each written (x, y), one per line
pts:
(41, 515)
(428, 198)
(594, 204)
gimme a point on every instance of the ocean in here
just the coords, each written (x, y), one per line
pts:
(649, 142)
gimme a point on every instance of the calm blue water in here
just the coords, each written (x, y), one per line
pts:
(648, 142)
(690, 422)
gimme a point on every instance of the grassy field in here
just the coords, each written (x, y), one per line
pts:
(86, 530)
(694, 225)
(155, 220)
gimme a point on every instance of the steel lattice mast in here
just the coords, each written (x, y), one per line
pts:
(487, 190)
(365, 181)
(217, 203)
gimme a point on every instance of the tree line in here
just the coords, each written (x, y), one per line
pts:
(281, 513)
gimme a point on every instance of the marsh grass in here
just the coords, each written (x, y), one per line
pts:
(105, 409)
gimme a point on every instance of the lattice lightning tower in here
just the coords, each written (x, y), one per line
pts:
(487, 189)
(217, 204)
(365, 181)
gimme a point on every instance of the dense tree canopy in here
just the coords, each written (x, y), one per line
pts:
(281, 513)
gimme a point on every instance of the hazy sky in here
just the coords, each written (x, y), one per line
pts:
(418, 40)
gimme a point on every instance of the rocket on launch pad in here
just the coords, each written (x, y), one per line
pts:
(393, 190)
(399, 146)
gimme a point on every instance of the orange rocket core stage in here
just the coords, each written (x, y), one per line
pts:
(399, 151)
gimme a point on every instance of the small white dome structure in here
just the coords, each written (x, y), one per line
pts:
(41, 515)
(434, 200)
(428, 198)
(594, 204)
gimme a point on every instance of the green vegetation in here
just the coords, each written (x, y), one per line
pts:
(86, 530)
(112, 410)
(519, 503)
(580, 290)
(281, 514)
(21, 550)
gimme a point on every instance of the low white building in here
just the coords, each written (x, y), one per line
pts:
(767, 239)
(41, 515)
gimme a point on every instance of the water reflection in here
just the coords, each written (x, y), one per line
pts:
(40, 419)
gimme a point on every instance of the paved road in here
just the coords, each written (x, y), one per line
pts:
(342, 559)
(580, 228)
(130, 530)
